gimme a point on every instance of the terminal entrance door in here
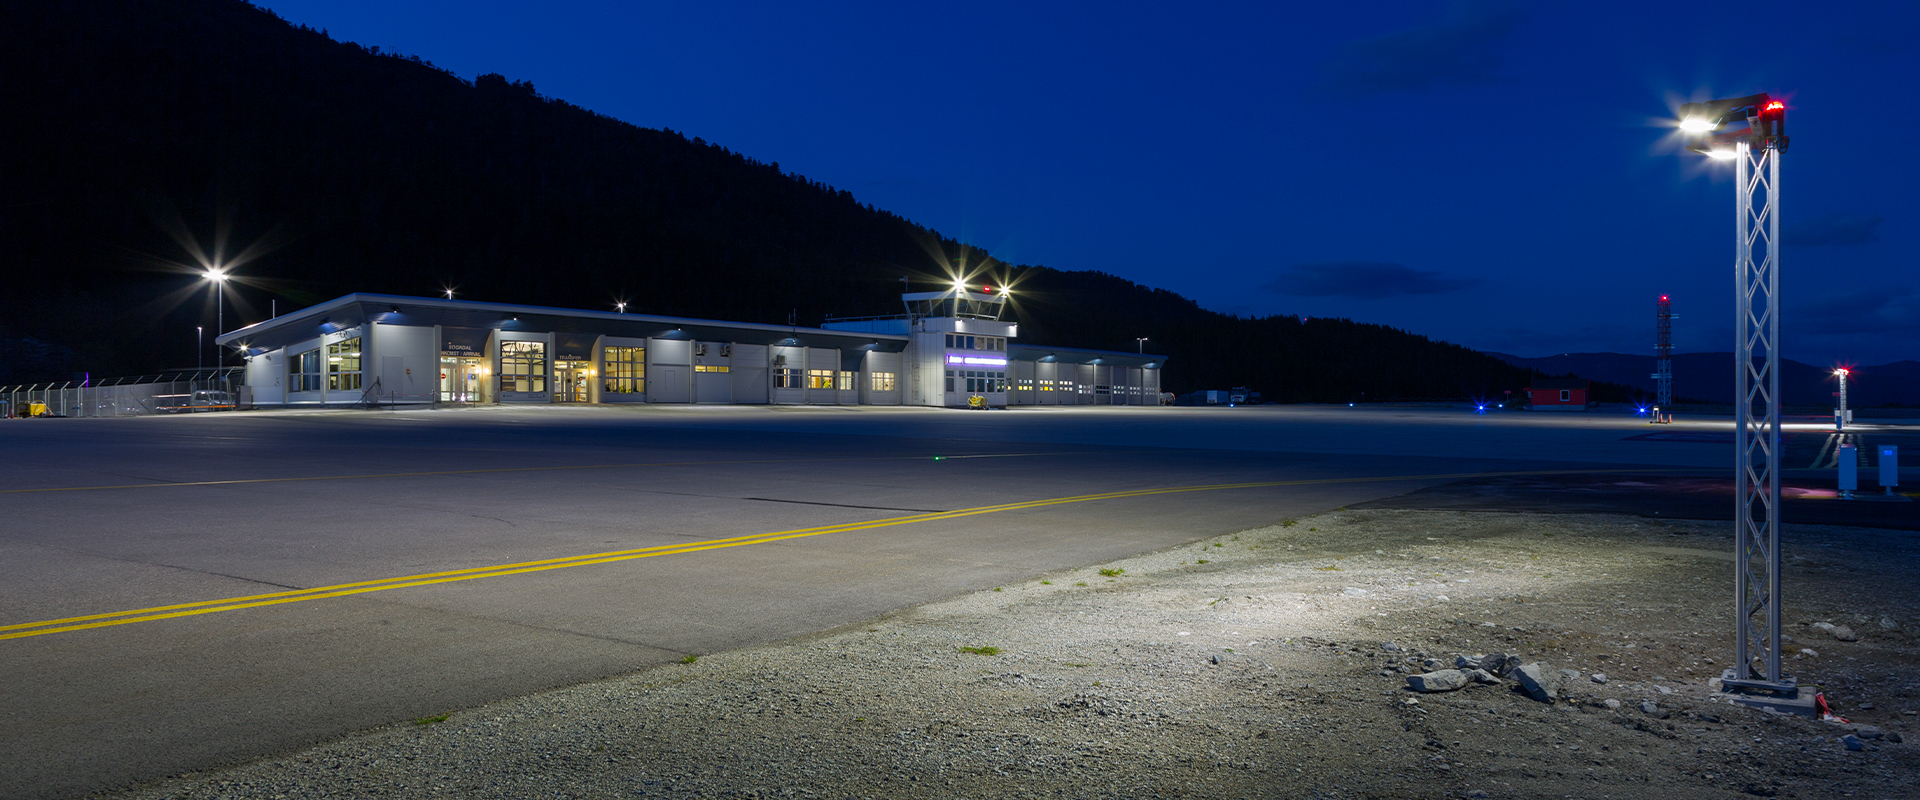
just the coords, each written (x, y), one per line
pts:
(570, 381)
(459, 379)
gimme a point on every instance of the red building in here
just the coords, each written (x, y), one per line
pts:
(1558, 394)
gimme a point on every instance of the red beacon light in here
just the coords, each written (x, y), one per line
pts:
(1776, 106)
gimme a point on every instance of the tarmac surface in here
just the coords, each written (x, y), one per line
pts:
(178, 593)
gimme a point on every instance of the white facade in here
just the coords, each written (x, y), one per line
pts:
(387, 350)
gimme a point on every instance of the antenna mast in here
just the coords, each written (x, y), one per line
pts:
(1663, 353)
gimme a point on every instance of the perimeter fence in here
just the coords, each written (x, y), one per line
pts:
(121, 397)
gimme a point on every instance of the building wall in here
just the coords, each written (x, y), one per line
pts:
(405, 362)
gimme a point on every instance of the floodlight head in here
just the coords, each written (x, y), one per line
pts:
(1722, 154)
(1706, 125)
(216, 274)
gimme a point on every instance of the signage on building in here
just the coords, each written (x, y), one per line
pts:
(463, 341)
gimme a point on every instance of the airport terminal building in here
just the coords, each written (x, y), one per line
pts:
(946, 348)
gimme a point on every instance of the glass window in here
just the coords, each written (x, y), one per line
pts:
(626, 370)
(949, 380)
(712, 368)
(883, 381)
(819, 379)
(784, 378)
(846, 381)
(523, 366)
(303, 372)
(343, 365)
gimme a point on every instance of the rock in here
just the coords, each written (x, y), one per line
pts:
(1476, 794)
(1219, 659)
(1854, 742)
(1599, 677)
(1431, 664)
(1466, 662)
(1809, 652)
(1482, 676)
(1649, 708)
(1887, 623)
(1534, 683)
(1868, 732)
(1895, 737)
(1355, 591)
(1445, 680)
(1866, 706)
(1390, 647)
(1825, 626)
(1845, 634)
(1612, 704)
(1495, 663)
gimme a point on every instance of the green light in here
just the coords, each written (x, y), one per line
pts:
(936, 458)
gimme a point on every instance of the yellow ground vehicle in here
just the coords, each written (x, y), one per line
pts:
(977, 401)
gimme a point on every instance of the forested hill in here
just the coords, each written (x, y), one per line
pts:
(133, 126)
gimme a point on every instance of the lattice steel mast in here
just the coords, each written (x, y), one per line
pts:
(1755, 150)
(1663, 353)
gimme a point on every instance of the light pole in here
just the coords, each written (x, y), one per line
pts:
(1142, 342)
(1751, 132)
(621, 307)
(1840, 414)
(217, 280)
(199, 348)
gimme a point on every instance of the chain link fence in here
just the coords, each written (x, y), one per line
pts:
(124, 397)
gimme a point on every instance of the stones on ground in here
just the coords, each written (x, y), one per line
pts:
(1483, 676)
(1649, 707)
(1500, 664)
(1887, 623)
(1868, 732)
(1854, 742)
(1599, 677)
(1390, 647)
(1537, 685)
(1895, 737)
(1840, 632)
(1466, 662)
(1219, 658)
(1445, 680)
(1612, 704)
(1809, 652)
(1355, 591)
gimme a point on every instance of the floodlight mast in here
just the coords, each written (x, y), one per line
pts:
(1755, 150)
(1663, 354)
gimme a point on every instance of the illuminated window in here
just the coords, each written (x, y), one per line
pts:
(523, 366)
(343, 365)
(883, 381)
(712, 368)
(819, 379)
(784, 378)
(626, 370)
(303, 372)
(846, 383)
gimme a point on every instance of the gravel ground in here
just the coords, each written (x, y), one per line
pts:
(1270, 663)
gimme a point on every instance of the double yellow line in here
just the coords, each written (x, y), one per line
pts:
(156, 613)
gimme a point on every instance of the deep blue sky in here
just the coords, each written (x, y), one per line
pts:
(1497, 175)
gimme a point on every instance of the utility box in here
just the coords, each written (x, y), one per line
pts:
(1849, 464)
(1889, 466)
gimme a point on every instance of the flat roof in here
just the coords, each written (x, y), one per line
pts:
(356, 309)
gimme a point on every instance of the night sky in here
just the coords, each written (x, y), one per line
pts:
(1497, 175)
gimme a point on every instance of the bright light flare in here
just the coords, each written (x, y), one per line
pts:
(216, 274)
(1723, 155)
(1696, 125)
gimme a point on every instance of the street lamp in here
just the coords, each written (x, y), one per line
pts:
(1751, 132)
(1142, 342)
(1840, 414)
(217, 281)
(620, 306)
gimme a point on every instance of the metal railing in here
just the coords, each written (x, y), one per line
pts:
(118, 397)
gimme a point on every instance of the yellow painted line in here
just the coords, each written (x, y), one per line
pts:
(368, 476)
(155, 613)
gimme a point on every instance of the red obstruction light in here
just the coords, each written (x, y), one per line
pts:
(1776, 106)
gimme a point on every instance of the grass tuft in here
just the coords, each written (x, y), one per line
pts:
(689, 659)
(981, 651)
(431, 720)
(1108, 572)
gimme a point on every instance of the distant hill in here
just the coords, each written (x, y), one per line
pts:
(133, 125)
(1709, 377)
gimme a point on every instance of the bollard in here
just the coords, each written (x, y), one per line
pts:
(1889, 467)
(1848, 460)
